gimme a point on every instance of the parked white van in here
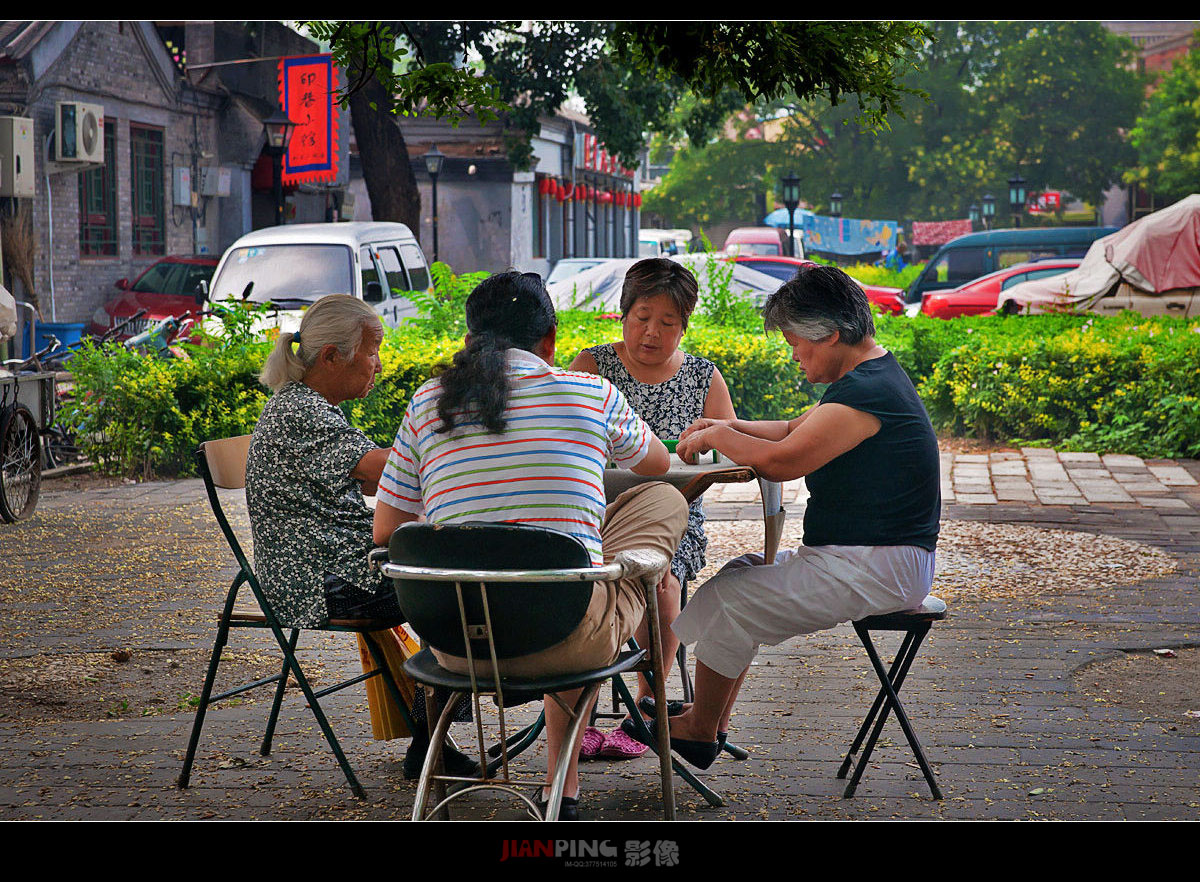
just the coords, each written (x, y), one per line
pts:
(292, 266)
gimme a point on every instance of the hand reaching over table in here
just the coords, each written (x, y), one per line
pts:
(696, 439)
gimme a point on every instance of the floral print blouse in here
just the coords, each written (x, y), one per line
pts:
(668, 408)
(306, 512)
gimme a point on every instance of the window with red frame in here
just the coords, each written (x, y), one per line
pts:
(149, 200)
(98, 202)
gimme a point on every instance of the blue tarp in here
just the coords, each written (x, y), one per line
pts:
(838, 235)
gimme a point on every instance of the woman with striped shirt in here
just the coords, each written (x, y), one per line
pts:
(502, 435)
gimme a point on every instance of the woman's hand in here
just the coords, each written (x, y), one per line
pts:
(702, 424)
(696, 440)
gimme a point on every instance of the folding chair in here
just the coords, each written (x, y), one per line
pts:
(486, 592)
(223, 464)
(915, 624)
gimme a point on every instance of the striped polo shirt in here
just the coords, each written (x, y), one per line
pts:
(546, 469)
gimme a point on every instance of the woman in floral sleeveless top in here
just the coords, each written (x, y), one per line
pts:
(669, 389)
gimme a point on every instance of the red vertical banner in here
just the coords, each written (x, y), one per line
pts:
(307, 87)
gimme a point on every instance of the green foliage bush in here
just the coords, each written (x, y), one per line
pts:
(1125, 383)
(140, 415)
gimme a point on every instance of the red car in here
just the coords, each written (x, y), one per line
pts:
(783, 268)
(980, 295)
(168, 287)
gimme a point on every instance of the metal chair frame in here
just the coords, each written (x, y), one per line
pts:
(231, 619)
(915, 624)
(424, 668)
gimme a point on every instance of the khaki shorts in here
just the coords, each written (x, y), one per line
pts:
(652, 515)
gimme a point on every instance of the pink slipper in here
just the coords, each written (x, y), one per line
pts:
(618, 745)
(590, 743)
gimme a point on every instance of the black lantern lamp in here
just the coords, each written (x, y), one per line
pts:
(278, 129)
(989, 210)
(791, 199)
(433, 164)
(835, 205)
(973, 214)
(1016, 197)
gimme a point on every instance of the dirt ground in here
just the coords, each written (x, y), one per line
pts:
(139, 648)
(1162, 685)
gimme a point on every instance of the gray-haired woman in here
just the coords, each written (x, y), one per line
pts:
(306, 473)
(870, 459)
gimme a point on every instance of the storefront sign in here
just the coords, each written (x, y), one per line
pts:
(307, 86)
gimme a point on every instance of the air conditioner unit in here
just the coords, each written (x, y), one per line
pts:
(79, 132)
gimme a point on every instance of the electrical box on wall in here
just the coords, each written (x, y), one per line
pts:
(183, 186)
(215, 180)
(16, 156)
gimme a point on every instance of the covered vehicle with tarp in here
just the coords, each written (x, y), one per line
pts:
(1151, 266)
(600, 286)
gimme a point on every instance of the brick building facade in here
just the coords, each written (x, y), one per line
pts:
(163, 125)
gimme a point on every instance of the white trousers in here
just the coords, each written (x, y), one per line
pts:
(809, 589)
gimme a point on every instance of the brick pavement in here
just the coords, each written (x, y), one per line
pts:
(992, 696)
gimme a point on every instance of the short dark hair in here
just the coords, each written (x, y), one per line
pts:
(817, 301)
(660, 275)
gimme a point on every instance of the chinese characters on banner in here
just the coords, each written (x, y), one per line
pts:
(306, 93)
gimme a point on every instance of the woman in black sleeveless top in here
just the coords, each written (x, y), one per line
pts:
(870, 458)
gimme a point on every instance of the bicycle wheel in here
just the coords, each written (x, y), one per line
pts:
(20, 464)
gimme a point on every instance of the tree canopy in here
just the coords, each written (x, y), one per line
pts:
(1052, 100)
(1167, 135)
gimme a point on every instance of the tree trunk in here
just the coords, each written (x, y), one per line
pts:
(387, 171)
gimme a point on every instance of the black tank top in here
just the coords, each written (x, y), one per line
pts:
(887, 490)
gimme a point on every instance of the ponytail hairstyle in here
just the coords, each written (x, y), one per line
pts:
(337, 319)
(506, 311)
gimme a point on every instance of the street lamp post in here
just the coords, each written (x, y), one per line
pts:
(433, 164)
(835, 205)
(791, 199)
(278, 129)
(989, 210)
(973, 214)
(1016, 197)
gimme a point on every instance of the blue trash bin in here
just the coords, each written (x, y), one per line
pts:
(66, 332)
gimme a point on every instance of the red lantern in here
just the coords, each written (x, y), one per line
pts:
(637, 200)
(605, 197)
(544, 185)
(560, 192)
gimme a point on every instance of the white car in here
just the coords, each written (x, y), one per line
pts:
(293, 266)
(600, 286)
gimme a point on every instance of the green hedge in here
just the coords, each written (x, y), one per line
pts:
(140, 415)
(1122, 383)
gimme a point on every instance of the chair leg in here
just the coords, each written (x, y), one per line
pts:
(315, 706)
(569, 749)
(892, 701)
(876, 704)
(517, 743)
(433, 754)
(277, 701)
(710, 796)
(185, 773)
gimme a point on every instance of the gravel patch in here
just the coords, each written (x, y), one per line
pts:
(977, 560)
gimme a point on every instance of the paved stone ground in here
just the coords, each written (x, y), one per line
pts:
(991, 695)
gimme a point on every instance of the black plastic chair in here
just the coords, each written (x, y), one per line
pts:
(915, 624)
(223, 464)
(487, 592)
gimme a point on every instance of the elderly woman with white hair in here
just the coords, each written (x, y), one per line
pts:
(306, 473)
(870, 459)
